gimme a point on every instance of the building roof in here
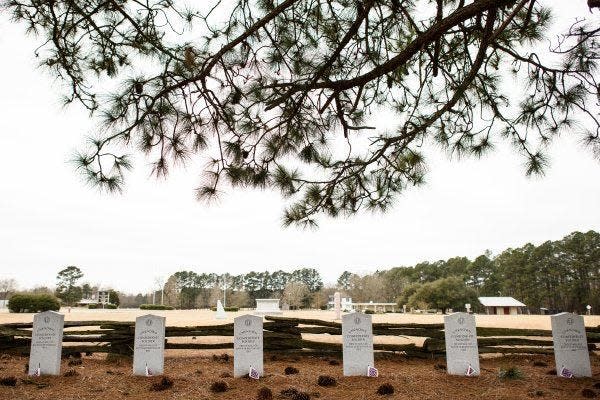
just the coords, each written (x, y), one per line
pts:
(87, 301)
(500, 302)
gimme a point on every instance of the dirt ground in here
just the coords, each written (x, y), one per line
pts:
(97, 378)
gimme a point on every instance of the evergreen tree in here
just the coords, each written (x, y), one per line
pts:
(443, 294)
(283, 93)
(344, 280)
(66, 285)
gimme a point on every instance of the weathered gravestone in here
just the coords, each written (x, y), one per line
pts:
(462, 353)
(267, 307)
(570, 345)
(337, 305)
(149, 345)
(357, 333)
(247, 345)
(46, 343)
(220, 311)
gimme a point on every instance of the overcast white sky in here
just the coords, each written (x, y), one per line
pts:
(49, 219)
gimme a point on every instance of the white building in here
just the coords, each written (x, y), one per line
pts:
(345, 305)
(502, 305)
(375, 307)
(98, 297)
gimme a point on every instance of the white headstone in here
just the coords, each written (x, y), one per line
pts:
(149, 346)
(462, 353)
(357, 333)
(337, 305)
(247, 345)
(267, 307)
(220, 311)
(570, 344)
(46, 343)
(468, 307)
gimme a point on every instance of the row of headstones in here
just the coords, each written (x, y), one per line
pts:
(462, 354)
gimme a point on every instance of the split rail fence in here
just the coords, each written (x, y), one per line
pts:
(283, 334)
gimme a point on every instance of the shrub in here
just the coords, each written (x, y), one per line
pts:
(8, 381)
(221, 357)
(113, 296)
(385, 389)
(105, 306)
(294, 394)
(301, 396)
(155, 307)
(229, 309)
(323, 308)
(291, 371)
(289, 392)
(218, 387)
(326, 380)
(264, 393)
(510, 373)
(71, 372)
(369, 312)
(163, 383)
(33, 303)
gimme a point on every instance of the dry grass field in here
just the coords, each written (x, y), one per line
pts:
(207, 317)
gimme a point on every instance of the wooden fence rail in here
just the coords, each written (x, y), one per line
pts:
(283, 334)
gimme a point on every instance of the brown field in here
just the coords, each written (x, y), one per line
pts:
(206, 317)
(194, 371)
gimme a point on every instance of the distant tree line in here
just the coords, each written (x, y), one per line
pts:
(558, 275)
(561, 275)
(189, 289)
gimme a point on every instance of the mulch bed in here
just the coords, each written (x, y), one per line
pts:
(192, 378)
